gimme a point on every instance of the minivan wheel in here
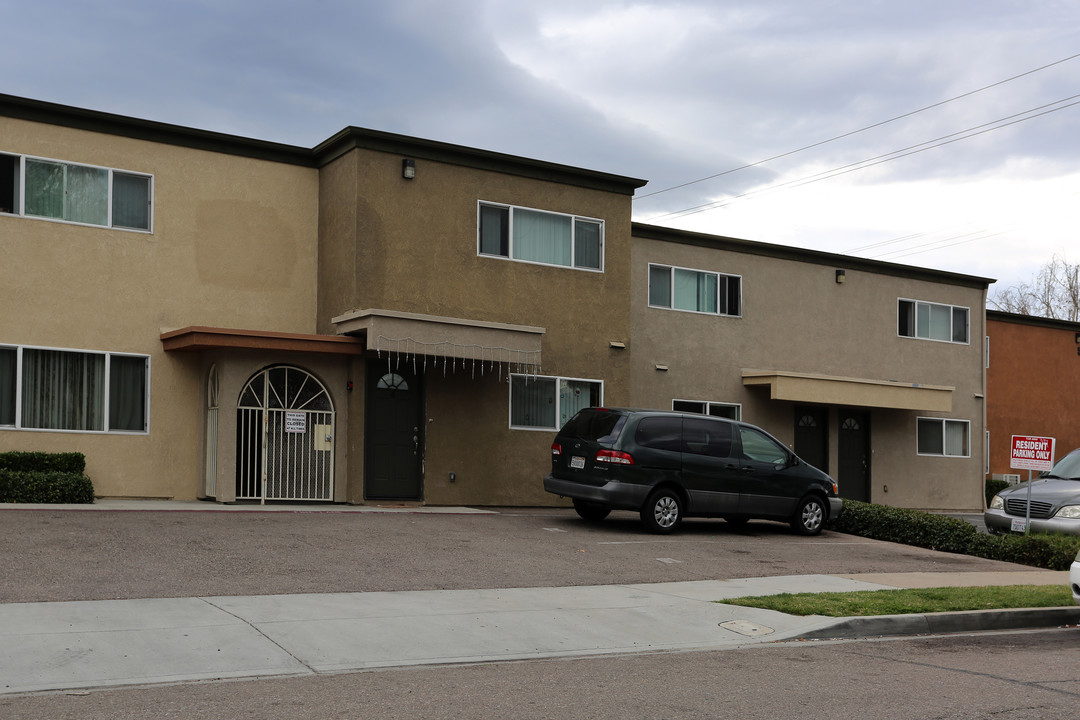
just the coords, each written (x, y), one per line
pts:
(662, 512)
(810, 516)
(591, 511)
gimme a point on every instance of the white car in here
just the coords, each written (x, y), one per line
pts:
(1074, 579)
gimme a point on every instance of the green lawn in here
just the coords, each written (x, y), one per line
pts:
(902, 602)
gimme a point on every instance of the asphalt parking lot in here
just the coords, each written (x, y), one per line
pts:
(100, 554)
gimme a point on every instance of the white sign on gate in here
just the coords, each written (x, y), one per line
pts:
(295, 422)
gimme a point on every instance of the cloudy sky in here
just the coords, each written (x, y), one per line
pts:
(940, 133)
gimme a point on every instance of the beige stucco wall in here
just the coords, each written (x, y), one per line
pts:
(411, 246)
(234, 245)
(796, 318)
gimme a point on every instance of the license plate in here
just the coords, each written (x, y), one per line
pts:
(1018, 525)
(577, 462)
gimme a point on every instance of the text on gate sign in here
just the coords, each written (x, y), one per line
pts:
(295, 422)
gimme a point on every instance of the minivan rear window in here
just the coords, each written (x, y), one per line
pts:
(599, 427)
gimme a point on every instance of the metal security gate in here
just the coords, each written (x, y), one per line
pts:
(284, 437)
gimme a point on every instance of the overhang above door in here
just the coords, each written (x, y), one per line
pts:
(862, 392)
(452, 339)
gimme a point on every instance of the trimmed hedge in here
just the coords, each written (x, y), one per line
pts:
(37, 477)
(72, 462)
(949, 534)
(47, 486)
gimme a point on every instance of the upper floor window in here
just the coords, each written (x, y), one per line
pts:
(541, 237)
(694, 290)
(731, 411)
(52, 389)
(932, 321)
(85, 194)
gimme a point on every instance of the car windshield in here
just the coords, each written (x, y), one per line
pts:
(600, 427)
(1068, 468)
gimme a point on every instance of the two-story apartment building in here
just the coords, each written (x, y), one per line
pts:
(385, 318)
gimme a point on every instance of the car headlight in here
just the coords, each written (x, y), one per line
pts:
(997, 503)
(1069, 511)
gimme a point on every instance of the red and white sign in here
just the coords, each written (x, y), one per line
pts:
(1032, 453)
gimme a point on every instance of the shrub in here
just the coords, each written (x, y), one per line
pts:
(72, 462)
(993, 487)
(37, 477)
(48, 486)
(911, 527)
(941, 532)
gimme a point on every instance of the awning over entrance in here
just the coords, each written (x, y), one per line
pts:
(453, 341)
(199, 338)
(826, 390)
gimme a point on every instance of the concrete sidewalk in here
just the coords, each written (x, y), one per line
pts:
(91, 644)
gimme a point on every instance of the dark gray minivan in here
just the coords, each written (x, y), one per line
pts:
(670, 465)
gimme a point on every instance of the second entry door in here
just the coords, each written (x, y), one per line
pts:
(854, 450)
(394, 439)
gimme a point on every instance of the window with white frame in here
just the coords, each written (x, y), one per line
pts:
(54, 389)
(547, 403)
(677, 288)
(72, 192)
(932, 321)
(540, 236)
(731, 411)
(948, 438)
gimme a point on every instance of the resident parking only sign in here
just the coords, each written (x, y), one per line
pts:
(1032, 453)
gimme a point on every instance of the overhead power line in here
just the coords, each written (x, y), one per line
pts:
(881, 159)
(856, 132)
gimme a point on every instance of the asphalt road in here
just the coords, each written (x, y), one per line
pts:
(54, 555)
(1014, 676)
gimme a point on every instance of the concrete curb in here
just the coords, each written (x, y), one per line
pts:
(946, 622)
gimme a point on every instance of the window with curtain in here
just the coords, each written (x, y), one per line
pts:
(539, 236)
(547, 403)
(76, 193)
(699, 291)
(932, 321)
(63, 390)
(73, 390)
(948, 438)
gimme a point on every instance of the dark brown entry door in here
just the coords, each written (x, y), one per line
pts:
(854, 449)
(394, 439)
(812, 435)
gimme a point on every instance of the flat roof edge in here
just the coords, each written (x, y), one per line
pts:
(355, 138)
(151, 130)
(817, 257)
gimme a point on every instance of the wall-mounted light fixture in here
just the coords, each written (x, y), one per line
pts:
(616, 345)
(408, 168)
(662, 368)
(841, 276)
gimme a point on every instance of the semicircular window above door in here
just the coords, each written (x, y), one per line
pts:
(284, 437)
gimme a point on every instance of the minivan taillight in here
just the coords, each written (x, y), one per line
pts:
(556, 449)
(614, 456)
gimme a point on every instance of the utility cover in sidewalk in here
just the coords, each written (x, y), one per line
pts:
(749, 629)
